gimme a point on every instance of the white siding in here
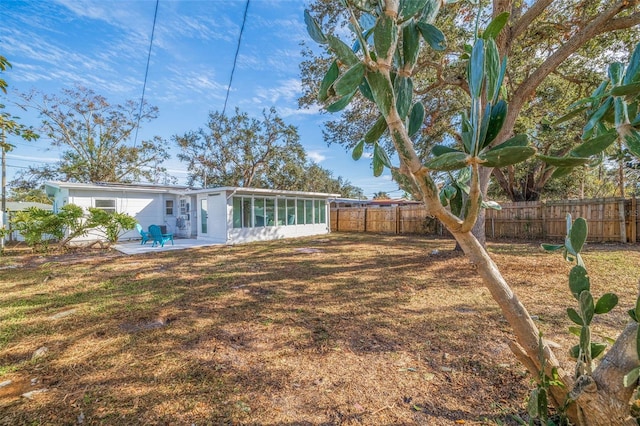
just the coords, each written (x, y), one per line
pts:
(218, 217)
(245, 235)
(148, 209)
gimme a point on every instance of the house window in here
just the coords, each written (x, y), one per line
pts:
(323, 211)
(247, 217)
(106, 205)
(308, 212)
(291, 211)
(258, 212)
(242, 217)
(269, 211)
(184, 207)
(237, 212)
(168, 207)
(300, 211)
(316, 211)
(282, 211)
(250, 212)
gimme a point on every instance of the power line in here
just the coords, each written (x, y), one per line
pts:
(235, 59)
(146, 72)
(32, 160)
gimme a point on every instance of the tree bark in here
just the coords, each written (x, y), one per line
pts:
(525, 331)
(605, 401)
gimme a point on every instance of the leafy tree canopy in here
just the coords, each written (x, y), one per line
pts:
(248, 152)
(96, 139)
(381, 68)
(381, 195)
(29, 195)
(9, 123)
(556, 51)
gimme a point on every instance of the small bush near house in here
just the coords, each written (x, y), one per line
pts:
(113, 225)
(41, 227)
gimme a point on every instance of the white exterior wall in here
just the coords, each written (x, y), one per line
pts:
(245, 235)
(147, 208)
(217, 217)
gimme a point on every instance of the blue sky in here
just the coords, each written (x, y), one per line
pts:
(103, 45)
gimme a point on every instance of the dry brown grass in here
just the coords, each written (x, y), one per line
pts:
(364, 329)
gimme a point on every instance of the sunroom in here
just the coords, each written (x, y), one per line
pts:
(235, 215)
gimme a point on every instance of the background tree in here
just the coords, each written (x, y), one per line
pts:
(381, 69)
(381, 195)
(319, 179)
(241, 151)
(96, 140)
(9, 125)
(555, 50)
(29, 195)
(244, 151)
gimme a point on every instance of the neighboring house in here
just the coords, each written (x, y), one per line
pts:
(352, 202)
(224, 215)
(17, 206)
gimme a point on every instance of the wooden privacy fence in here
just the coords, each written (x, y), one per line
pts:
(609, 219)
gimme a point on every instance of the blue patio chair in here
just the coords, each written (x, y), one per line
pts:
(158, 236)
(143, 234)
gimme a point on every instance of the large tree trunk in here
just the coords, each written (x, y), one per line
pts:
(599, 400)
(479, 229)
(604, 400)
(526, 332)
(527, 337)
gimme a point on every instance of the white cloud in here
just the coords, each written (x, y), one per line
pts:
(185, 87)
(201, 27)
(287, 90)
(246, 61)
(316, 156)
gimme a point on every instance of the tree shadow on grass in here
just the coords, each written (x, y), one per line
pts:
(268, 334)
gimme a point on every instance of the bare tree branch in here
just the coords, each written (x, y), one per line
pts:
(529, 16)
(622, 23)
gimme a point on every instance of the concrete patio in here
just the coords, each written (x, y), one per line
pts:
(134, 247)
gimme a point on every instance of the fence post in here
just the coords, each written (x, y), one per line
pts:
(365, 219)
(633, 217)
(493, 227)
(397, 219)
(543, 216)
(623, 222)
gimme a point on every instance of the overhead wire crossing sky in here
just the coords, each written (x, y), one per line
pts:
(146, 72)
(235, 58)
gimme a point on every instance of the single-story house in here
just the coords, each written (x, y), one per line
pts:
(227, 215)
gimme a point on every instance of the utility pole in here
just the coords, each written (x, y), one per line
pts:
(3, 219)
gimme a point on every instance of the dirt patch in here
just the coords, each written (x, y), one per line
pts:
(370, 330)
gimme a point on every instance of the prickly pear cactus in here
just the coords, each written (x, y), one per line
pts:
(579, 285)
(612, 112)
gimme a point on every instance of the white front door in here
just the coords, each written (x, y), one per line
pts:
(204, 216)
